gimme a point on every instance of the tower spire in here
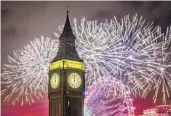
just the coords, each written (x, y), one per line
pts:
(67, 31)
(67, 49)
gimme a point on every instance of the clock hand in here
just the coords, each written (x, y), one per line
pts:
(74, 78)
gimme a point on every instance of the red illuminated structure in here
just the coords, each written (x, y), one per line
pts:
(160, 110)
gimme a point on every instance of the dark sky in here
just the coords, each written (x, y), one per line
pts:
(23, 21)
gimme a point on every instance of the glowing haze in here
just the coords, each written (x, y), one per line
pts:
(18, 29)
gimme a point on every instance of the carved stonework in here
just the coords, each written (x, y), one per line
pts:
(66, 78)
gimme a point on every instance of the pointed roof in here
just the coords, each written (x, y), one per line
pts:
(67, 49)
(67, 31)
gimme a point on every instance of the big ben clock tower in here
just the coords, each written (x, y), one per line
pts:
(66, 78)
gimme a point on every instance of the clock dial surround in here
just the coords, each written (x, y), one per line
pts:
(54, 81)
(74, 80)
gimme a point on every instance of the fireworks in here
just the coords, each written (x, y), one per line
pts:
(162, 77)
(129, 51)
(26, 74)
(117, 103)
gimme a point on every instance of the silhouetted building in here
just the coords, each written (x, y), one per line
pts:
(160, 110)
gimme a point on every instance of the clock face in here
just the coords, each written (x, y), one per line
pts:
(54, 81)
(74, 80)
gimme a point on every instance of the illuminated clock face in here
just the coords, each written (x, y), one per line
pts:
(74, 80)
(54, 81)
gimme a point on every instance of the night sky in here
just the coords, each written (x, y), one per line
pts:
(23, 21)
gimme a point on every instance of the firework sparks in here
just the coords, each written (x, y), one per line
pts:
(162, 75)
(118, 101)
(129, 50)
(26, 74)
(126, 50)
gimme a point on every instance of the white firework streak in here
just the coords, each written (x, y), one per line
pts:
(26, 74)
(118, 101)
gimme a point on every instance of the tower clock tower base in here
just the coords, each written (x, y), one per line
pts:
(66, 78)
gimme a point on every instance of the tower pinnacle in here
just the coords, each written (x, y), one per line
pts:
(67, 49)
(67, 31)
